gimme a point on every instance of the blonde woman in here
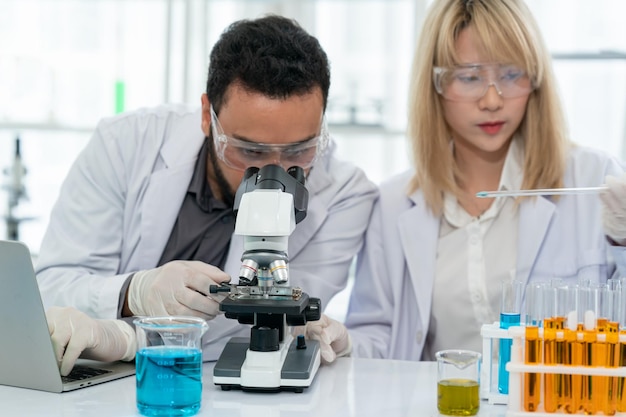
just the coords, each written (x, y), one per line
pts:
(484, 115)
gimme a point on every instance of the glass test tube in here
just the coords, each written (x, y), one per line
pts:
(550, 388)
(561, 310)
(612, 342)
(588, 310)
(600, 349)
(621, 381)
(509, 316)
(533, 348)
(572, 384)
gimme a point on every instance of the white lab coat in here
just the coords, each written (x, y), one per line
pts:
(121, 198)
(390, 305)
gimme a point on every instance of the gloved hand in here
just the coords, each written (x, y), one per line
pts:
(176, 288)
(614, 209)
(74, 334)
(333, 336)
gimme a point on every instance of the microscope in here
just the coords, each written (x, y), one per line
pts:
(268, 204)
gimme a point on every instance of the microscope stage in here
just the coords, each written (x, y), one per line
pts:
(296, 374)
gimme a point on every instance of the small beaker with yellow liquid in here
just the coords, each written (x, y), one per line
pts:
(458, 381)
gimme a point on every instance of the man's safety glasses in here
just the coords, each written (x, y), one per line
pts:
(470, 82)
(242, 154)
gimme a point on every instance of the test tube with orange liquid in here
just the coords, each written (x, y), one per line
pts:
(603, 351)
(550, 380)
(586, 337)
(621, 348)
(533, 345)
(572, 383)
(612, 309)
(562, 383)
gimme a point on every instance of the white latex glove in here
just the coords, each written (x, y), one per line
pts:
(74, 334)
(333, 336)
(178, 288)
(614, 209)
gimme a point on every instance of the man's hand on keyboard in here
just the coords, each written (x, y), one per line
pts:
(74, 335)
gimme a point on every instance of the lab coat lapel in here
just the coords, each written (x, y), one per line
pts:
(534, 219)
(419, 230)
(160, 208)
(166, 190)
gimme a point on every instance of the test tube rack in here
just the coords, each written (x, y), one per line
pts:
(491, 334)
(517, 369)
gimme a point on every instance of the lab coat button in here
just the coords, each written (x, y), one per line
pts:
(419, 337)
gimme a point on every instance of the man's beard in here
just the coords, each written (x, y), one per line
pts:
(228, 196)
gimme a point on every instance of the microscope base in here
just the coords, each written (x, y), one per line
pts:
(296, 374)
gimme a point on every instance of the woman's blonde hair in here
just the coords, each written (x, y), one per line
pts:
(509, 34)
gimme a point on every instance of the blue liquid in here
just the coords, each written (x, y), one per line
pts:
(169, 381)
(504, 356)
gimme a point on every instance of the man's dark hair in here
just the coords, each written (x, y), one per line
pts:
(272, 55)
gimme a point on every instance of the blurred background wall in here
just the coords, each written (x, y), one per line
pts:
(64, 64)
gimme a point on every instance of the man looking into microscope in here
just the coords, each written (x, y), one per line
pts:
(144, 221)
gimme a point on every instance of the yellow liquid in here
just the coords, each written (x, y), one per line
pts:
(457, 397)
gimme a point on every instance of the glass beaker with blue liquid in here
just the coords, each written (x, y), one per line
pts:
(169, 365)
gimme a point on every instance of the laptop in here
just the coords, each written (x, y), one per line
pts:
(26, 355)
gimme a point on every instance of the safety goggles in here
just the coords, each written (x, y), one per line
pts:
(471, 82)
(242, 154)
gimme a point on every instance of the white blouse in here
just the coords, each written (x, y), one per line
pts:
(474, 255)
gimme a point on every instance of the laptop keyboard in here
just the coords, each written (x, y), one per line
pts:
(81, 372)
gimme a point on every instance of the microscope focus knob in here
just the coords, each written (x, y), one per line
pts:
(264, 339)
(313, 311)
(300, 342)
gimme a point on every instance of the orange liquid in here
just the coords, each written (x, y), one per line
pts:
(550, 394)
(612, 338)
(577, 356)
(561, 359)
(569, 393)
(532, 381)
(621, 381)
(588, 340)
(600, 357)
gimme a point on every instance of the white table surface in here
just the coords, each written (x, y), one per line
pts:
(349, 387)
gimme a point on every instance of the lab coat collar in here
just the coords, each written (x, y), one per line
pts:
(173, 152)
(167, 184)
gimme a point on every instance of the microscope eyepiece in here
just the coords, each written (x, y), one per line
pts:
(297, 173)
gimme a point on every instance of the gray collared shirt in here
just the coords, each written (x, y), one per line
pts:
(204, 225)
